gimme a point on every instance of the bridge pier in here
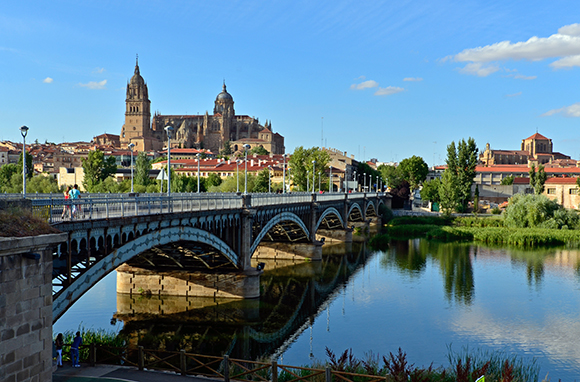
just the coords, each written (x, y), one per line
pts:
(238, 285)
(289, 251)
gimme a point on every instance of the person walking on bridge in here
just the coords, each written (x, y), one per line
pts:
(74, 194)
(74, 350)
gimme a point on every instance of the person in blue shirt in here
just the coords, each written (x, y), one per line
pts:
(74, 193)
(74, 350)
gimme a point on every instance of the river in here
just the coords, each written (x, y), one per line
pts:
(421, 296)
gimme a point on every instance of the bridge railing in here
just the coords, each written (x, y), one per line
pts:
(56, 210)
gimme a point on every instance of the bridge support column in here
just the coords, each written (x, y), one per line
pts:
(289, 251)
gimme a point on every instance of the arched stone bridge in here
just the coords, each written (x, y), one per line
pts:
(215, 233)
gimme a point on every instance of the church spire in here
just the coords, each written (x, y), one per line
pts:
(137, 64)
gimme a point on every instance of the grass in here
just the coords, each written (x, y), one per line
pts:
(17, 222)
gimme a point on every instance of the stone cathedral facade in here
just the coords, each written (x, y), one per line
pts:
(208, 131)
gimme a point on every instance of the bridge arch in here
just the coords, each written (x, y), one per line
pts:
(129, 250)
(284, 216)
(353, 207)
(370, 205)
(329, 211)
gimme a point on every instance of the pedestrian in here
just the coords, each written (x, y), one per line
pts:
(74, 350)
(59, 343)
(74, 194)
(66, 209)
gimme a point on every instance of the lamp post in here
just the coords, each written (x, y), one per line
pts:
(24, 131)
(284, 175)
(237, 176)
(169, 130)
(313, 175)
(370, 182)
(365, 182)
(269, 179)
(377, 185)
(354, 179)
(198, 158)
(246, 147)
(131, 147)
(319, 180)
(330, 188)
(307, 180)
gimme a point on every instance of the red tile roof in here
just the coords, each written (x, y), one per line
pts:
(537, 136)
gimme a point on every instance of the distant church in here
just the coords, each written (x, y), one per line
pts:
(206, 131)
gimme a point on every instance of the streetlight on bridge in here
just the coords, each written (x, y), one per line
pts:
(131, 147)
(284, 175)
(169, 130)
(307, 180)
(24, 131)
(365, 182)
(237, 176)
(198, 158)
(354, 180)
(313, 176)
(269, 179)
(246, 148)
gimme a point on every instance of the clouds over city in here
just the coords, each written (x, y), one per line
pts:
(370, 84)
(564, 46)
(48, 80)
(95, 85)
(567, 111)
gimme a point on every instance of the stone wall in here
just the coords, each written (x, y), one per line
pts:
(26, 307)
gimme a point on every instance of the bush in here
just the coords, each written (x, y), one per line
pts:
(538, 211)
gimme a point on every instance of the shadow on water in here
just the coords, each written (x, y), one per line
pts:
(291, 295)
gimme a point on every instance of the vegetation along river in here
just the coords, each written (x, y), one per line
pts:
(421, 296)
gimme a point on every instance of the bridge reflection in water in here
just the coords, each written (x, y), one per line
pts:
(292, 294)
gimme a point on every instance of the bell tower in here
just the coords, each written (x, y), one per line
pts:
(137, 110)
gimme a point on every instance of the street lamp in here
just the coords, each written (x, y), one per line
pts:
(307, 180)
(246, 147)
(269, 179)
(24, 131)
(313, 175)
(169, 130)
(131, 147)
(370, 182)
(238, 175)
(284, 175)
(198, 157)
(319, 180)
(330, 188)
(365, 182)
(354, 180)
(377, 185)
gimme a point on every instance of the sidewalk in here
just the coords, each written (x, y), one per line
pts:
(111, 373)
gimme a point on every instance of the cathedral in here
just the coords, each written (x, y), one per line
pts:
(206, 131)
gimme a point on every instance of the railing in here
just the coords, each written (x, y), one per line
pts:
(225, 368)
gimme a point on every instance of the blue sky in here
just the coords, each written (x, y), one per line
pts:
(382, 79)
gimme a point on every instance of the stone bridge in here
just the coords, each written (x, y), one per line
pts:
(193, 244)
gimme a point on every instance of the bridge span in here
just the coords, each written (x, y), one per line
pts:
(194, 244)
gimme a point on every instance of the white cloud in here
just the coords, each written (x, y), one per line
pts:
(388, 90)
(99, 70)
(48, 80)
(522, 77)
(412, 79)
(564, 45)
(364, 85)
(478, 69)
(95, 85)
(566, 62)
(514, 94)
(567, 111)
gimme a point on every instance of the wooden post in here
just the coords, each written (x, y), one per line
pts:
(226, 368)
(182, 362)
(274, 371)
(92, 354)
(328, 374)
(140, 358)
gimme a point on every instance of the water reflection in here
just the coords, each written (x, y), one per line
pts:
(291, 295)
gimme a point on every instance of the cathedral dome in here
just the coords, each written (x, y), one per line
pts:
(224, 95)
(137, 79)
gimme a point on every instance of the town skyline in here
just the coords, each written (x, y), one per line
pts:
(378, 81)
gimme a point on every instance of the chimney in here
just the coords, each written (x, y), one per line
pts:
(251, 162)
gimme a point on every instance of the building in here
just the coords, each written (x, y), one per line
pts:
(536, 149)
(563, 190)
(206, 131)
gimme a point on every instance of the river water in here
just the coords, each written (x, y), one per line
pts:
(420, 296)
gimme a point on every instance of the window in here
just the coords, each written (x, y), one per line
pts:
(573, 191)
(551, 191)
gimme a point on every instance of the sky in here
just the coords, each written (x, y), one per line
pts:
(377, 79)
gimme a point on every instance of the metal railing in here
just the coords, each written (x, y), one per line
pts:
(225, 368)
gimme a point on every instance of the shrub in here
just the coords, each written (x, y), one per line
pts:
(538, 211)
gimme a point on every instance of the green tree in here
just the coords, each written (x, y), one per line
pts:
(448, 192)
(142, 169)
(508, 180)
(213, 180)
(29, 166)
(391, 176)
(538, 179)
(259, 150)
(300, 164)
(430, 190)
(227, 150)
(97, 169)
(43, 184)
(461, 162)
(261, 182)
(414, 170)
(6, 173)
(538, 211)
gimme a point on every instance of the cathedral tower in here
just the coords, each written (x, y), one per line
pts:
(137, 112)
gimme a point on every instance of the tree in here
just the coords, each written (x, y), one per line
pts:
(507, 181)
(227, 150)
(97, 169)
(300, 164)
(414, 170)
(261, 183)
(390, 174)
(142, 168)
(430, 190)
(29, 166)
(43, 184)
(538, 179)
(213, 180)
(259, 150)
(461, 162)
(448, 192)
(6, 173)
